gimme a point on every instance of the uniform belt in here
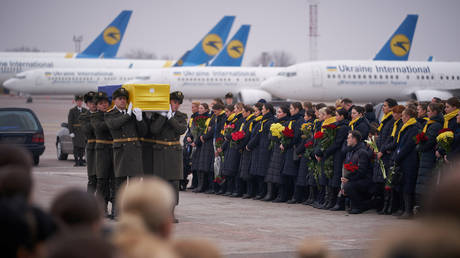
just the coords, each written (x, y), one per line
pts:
(91, 140)
(126, 139)
(76, 124)
(147, 140)
(171, 143)
(104, 141)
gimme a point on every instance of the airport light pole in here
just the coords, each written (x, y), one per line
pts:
(77, 41)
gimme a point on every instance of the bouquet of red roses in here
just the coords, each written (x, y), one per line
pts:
(199, 125)
(286, 136)
(228, 129)
(326, 139)
(237, 137)
(308, 151)
(219, 142)
(420, 137)
(348, 169)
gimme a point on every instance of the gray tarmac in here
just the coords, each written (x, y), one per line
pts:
(240, 228)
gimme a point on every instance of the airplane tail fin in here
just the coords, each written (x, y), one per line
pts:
(107, 43)
(181, 60)
(233, 52)
(397, 48)
(210, 44)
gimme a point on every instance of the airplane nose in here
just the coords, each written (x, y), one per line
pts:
(10, 84)
(274, 86)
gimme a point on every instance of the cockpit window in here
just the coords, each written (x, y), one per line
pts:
(19, 76)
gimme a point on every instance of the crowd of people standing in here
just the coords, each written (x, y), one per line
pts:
(330, 157)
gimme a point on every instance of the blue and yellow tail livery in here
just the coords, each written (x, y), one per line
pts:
(107, 43)
(233, 52)
(397, 48)
(210, 45)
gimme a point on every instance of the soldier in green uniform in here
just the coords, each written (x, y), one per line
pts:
(127, 127)
(88, 130)
(104, 153)
(78, 138)
(167, 128)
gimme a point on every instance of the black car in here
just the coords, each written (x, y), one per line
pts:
(20, 126)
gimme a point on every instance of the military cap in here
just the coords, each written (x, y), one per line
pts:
(120, 92)
(78, 97)
(101, 96)
(229, 95)
(89, 97)
(177, 95)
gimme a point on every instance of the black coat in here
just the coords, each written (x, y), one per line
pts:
(304, 173)
(362, 125)
(383, 138)
(278, 157)
(370, 116)
(104, 149)
(407, 158)
(455, 150)
(291, 165)
(335, 150)
(74, 125)
(259, 146)
(359, 155)
(206, 149)
(195, 156)
(232, 152)
(90, 147)
(427, 150)
(245, 162)
(389, 145)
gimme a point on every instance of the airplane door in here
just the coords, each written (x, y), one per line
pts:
(316, 77)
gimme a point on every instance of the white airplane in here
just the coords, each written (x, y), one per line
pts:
(194, 82)
(10, 67)
(366, 81)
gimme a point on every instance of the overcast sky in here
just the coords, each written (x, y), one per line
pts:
(353, 29)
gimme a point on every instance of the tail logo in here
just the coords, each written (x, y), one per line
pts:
(400, 45)
(212, 44)
(235, 49)
(112, 35)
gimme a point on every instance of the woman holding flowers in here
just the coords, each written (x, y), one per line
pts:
(273, 178)
(197, 128)
(407, 158)
(291, 165)
(304, 151)
(258, 146)
(252, 116)
(426, 146)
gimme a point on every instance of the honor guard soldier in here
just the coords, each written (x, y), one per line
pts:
(126, 126)
(78, 138)
(167, 128)
(104, 153)
(87, 129)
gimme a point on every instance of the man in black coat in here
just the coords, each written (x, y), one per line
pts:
(78, 138)
(358, 182)
(90, 148)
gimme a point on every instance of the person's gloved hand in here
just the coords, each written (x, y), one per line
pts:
(170, 113)
(138, 113)
(72, 135)
(130, 109)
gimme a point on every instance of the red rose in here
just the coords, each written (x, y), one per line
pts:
(350, 167)
(232, 126)
(421, 137)
(288, 132)
(318, 135)
(309, 144)
(387, 188)
(444, 130)
(330, 126)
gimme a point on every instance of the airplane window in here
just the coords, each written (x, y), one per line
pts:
(381, 77)
(328, 76)
(418, 77)
(333, 76)
(359, 76)
(447, 77)
(364, 76)
(458, 77)
(441, 77)
(453, 77)
(386, 76)
(354, 76)
(432, 77)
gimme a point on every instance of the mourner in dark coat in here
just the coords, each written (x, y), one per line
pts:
(78, 137)
(167, 128)
(90, 148)
(259, 147)
(126, 126)
(359, 122)
(406, 158)
(188, 151)
(104, 151)
(427, 149)
(452, 109)
(357, 183)
(278, 158)
(291, 165)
